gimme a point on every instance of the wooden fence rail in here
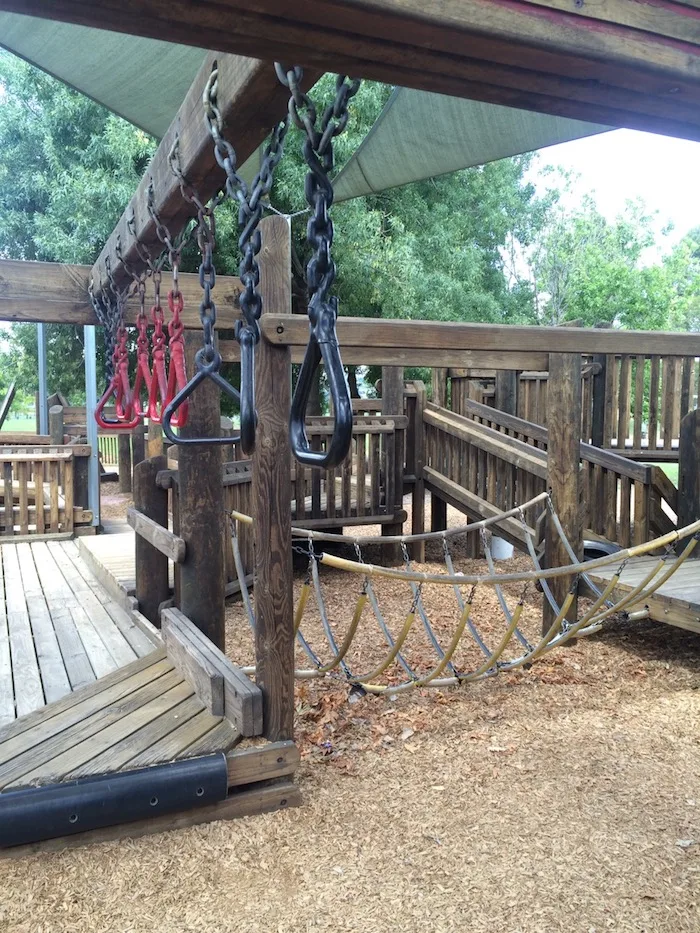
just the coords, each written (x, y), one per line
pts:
(497, 460)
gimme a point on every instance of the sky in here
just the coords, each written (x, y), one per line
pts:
(624, 165)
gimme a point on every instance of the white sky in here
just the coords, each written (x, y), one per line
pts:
(624, 165)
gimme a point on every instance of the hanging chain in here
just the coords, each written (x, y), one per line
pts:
(320, 270)
(318, 154)
(250, 201)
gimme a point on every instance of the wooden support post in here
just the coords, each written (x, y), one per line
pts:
(439, 387)
(689, 470)
(227, 457)
(201, 509)
(155, 440)
(563, 473)
(599, 383)
(272, 496)
(81, 467)
(56, 424)
(138, 444)
(124, 447)
(152, 587)
(392, 404)
(418, 498)
(507, 391)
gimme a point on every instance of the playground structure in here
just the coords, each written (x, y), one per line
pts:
(572, 471)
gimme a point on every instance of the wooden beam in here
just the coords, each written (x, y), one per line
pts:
(194, 665)
(161, 538)
(263, 763)
(272, 497)
(251, 101)
(413, 356)
(241, 699)
(293, 330)
(618, 62)
(57, 293)
(689, 470)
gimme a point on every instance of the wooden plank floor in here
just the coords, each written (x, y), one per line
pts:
(142, 714)
(677, 601)
(59, 629)
(112, 558)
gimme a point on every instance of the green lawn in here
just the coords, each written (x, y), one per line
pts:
(671, 470)
(19, 424)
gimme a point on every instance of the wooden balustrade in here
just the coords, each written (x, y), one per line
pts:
(38, 493)
(642, 400)
(498, 460)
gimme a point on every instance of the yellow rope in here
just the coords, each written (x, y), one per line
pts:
(347, 641)
(301, 606)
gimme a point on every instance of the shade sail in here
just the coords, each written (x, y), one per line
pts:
(420, 135)
(142, 80)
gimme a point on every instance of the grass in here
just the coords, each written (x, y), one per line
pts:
(671, 470)
(19, 424)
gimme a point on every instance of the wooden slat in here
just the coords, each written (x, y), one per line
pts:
(195, 724)
(242, 699)
(623, 417)
(638, 401)
(654, 403)
(35, 727)
(22, 474)
(120, 651)
(8, 499)
(121, 755)
(668, 389)
(60, 756)
(7, 693)
(54, 677)
(196, 667)
(29, 694)
(265, 763)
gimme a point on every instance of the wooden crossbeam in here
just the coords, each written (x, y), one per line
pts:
(293, 330)
(57, 293)
(251, 101)
(618, 62)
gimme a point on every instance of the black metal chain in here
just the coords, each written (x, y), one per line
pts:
(250, 201)
(320, 269)
(108, 322)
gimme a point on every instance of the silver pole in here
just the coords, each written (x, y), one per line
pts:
(43, 390)
(90, 405)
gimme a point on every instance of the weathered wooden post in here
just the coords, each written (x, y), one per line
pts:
(56, 425)
(689, 470)
(124, 448)
(392, 404)
(152, 586)
(201, 508)
(272, 495)
(563, 472)
(138, 444)
(155, 440)
(418, 498)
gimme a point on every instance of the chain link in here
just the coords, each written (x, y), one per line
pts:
(249, 199)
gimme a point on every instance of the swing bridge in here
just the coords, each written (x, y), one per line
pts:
(122, 710)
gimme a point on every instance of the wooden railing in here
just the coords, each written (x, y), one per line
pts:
(108, 445)
(43, 490)
(487, 461)
(631, 403)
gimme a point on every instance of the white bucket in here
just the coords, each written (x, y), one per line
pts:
(500, 549)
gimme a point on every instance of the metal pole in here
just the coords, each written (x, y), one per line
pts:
(43, 390)
(90, 405)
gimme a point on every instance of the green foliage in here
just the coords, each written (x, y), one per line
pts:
(586, 268)
(683, 269)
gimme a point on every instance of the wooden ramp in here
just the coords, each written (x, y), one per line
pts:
(60, 630)
(142, 714)
(676, 602)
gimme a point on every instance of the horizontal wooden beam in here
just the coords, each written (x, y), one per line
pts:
(411, 356)
(57, 293)
(263, 763)
(293, 330)
(251, 101)
(197, 669)
(618, 62)
(161, 538)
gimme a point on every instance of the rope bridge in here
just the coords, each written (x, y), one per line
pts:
(507, 649)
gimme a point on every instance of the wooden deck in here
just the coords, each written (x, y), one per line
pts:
(59, 628)
(142, 714)
(677, 602)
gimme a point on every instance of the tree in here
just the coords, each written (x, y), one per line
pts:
(69, 168)
(683, 268)
(585, 268)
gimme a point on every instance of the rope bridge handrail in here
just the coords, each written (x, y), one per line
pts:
(444, 671)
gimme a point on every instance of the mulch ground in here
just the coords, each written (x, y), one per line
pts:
(561, 798)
